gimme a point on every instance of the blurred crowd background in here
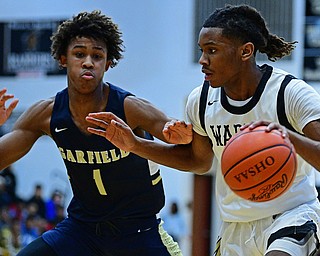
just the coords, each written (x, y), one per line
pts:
(23, 220)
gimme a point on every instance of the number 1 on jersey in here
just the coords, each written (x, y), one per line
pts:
(98, 180)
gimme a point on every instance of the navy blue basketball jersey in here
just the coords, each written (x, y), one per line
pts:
(107, 183)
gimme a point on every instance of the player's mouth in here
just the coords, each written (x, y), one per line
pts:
(208, 74)
(88, 75)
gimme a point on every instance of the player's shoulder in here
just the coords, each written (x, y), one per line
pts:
(40, 110)
(37, 117)
(278, 75)
(42, 105)
(195, 93)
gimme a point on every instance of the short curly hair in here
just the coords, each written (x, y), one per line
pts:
(92, 25)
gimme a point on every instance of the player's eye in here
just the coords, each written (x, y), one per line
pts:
(79, 54)
(97, 56)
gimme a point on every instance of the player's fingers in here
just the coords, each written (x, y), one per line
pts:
(168, 125)
(182, 124)
(104, 115)
(3, 92)
(12, 106)
(98, 122)
(92, 120)
(4, 98)
(122, 125)
(255, 124)
(245, 126)
(173, 122)
(280, 128)
(96, 131)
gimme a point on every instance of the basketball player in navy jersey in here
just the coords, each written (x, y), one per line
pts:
(241, 92)
(116, 194)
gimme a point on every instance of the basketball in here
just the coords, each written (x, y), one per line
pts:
(259, 166)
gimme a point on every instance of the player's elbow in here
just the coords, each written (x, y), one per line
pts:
(202, 167)
(200, 172)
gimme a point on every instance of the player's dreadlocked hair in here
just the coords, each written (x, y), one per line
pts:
(93, 25)
(246, 24)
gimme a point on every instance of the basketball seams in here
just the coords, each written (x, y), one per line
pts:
(244, 132)
(254, 153)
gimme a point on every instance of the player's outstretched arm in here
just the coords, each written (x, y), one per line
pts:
(195, 156)
(121, 135)
(5, 112)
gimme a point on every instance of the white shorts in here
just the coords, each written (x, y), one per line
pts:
(295, 232)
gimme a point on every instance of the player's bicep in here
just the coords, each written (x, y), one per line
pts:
(202, 151)
(312, 130)
(144, 115)
(27, 129)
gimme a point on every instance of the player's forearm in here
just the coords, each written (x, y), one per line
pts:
(14, 145)
(307, 148)
(175, 156)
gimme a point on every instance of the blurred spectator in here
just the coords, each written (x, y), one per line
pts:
(5, 198)
(14, 241)
(60, 215)
(29, 230)
(21, 221)
(13, 238)
(42, 225)
(5, 217)
(38, 200)
(17, 208)
(53, 207)
(4, 228)
(10, 181)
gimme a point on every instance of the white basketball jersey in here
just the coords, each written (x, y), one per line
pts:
(223, 118)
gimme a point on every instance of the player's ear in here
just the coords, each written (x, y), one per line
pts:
(63, 61)
(108, 64)
(247, 50)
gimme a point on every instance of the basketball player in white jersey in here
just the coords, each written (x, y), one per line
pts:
(240, 93)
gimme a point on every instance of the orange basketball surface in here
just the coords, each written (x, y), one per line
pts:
(257, 165)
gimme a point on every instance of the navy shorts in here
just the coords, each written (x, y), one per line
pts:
(74, 238)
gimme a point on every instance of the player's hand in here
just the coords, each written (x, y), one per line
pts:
(6, 112)
(269, 127)
(177, 132)
(113, 128)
